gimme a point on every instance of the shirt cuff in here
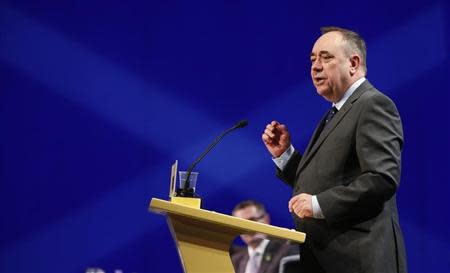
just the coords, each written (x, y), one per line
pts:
(317, 211)
(282, 161)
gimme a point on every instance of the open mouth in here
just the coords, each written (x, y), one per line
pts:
(319, 81)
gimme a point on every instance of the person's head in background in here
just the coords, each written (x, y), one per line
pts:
(254, 211)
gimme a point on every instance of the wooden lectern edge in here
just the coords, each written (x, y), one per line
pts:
(240, 225)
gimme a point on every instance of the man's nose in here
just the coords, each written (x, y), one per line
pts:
(316, 66)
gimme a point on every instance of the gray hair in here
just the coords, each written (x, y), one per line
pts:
(354, 41)
(249, 203)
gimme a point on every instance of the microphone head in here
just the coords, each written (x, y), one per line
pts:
(241, 124)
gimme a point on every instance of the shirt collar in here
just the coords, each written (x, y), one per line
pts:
(348, 93)
(259, 249)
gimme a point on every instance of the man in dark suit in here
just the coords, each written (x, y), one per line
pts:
(345, 183)
(261, 255)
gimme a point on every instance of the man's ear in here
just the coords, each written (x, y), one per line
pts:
(355, 63)
(267, 219)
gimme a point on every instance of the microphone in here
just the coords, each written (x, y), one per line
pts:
(240, 124)
(185, 191)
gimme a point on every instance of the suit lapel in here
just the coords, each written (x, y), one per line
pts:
(315, 135)
(310, 151)
(267, 257)
(243, 262)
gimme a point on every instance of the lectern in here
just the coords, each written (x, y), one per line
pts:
(203, 237)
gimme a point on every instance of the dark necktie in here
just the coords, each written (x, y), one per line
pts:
(330, 115)
(324, 123)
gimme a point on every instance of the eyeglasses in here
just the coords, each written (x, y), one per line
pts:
(256, 218)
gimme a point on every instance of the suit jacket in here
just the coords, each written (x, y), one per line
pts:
(272, 255)
(353, 167)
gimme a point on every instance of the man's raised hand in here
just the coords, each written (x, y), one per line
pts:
(276, 138)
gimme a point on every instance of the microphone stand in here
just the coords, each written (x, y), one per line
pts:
(186, 191)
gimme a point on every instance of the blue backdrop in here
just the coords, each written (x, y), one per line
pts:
(99, 98)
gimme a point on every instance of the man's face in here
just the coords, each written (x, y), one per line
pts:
(330, 66)
(252, 213)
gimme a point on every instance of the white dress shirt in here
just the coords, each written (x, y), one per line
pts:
(255, 257)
